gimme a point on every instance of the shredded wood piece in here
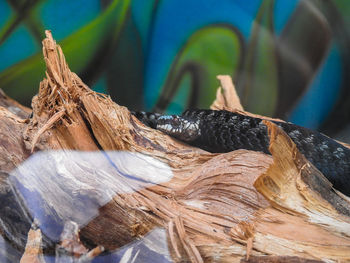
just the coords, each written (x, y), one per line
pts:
(33, 252)
(47, 126)
(226, 96)
(172, 239)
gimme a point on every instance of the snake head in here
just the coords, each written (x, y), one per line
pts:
(179, 127)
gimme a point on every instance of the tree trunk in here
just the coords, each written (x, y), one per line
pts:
(84, 159)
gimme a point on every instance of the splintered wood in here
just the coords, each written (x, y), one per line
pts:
(241, 206)
(226, 96)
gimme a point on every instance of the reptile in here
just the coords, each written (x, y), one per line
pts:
(224, 131)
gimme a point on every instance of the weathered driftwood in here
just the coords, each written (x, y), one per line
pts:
(239, 206)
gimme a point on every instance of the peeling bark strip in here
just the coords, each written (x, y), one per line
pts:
(282, 259)
(240, 206)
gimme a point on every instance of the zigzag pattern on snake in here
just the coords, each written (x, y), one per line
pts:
(223, 131)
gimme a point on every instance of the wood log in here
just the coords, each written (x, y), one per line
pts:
(83, 158)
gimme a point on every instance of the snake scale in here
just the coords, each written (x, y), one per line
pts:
(223, 131)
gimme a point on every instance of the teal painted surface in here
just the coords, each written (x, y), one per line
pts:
(5, 13)
(65, 17)
(10, 55)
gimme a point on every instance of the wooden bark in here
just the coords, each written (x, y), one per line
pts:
(241, 206)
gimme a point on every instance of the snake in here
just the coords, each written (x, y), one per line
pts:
(220, 131)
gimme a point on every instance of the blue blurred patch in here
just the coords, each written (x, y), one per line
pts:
(5, 13)
(282, 12)
(65, 17)
(18, 46)
(323, 93)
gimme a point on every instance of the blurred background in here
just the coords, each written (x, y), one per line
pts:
(288, 59)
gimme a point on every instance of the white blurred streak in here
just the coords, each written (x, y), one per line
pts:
(74, 185)
(127, 255)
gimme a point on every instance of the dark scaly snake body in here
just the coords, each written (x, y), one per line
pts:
(223, 131)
